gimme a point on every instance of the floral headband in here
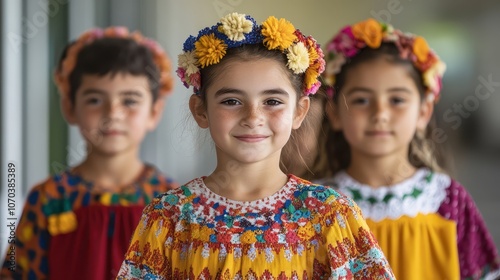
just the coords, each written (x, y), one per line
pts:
(371, 33)
(160, 58)
(303, 53)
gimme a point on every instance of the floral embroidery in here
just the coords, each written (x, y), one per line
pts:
(226, 239)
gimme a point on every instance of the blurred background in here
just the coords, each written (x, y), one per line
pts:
(35, 138)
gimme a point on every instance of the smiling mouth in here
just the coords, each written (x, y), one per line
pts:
(251, 138)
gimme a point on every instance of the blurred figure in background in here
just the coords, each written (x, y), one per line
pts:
(383, 85)
(78, 224)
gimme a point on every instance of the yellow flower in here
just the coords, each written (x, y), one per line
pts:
(370, 31)
(420, 48)
(278, 33)
(188, 61)
(298, 58)
(313, 54)
(311, 75)
(248, 237)
(235, 25)
(209, 50)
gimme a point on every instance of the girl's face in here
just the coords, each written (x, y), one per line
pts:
(113, 113)
(251, 109)
(379, 109)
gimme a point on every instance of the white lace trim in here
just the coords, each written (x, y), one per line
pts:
(401, 203)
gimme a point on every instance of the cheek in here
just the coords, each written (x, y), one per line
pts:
(281, 119)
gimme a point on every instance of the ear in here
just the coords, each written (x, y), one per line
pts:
(301, 111)
(332, 113)
(198, 111)
(425, 114)
(156, 113)
(68, 111)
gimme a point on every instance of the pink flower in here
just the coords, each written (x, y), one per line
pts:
(195, 80)
(181, 73)
(344, 43)
(314, 88)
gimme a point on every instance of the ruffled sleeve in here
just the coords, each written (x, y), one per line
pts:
(477, 253)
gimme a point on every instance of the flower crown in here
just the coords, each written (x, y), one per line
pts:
(160, 58)
(303, 53)
(371, 33)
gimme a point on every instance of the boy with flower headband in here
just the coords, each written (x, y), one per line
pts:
(382, 86)
(78, 224)
(252, 85)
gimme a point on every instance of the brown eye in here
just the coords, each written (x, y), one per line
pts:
(231, 102)
(273, 102)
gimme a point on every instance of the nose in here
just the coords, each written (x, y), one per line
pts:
(114, 110)
(380, 111)
(252, 116)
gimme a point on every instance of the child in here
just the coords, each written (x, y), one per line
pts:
(248, 219)
(383, 86)
(77, 224)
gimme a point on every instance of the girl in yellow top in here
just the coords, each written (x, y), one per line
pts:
(383, 86)
(248, 219)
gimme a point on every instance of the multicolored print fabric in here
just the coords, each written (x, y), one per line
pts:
(304, 231)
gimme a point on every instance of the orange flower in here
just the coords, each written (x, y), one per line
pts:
(370, 31)
(420, 48)
(311, 75)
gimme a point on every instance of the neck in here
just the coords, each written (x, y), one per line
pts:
(246, 182)
(380, 171)
(110, 173)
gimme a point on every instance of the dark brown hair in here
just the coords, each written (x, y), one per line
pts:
(111, 56)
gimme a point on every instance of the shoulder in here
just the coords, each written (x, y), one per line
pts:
(325, 200)
(56, 186)
(158, 180)
(171, 202)
(458, 201)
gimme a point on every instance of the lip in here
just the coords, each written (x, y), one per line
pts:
(112, 133)
(379, 133)
(251, 138)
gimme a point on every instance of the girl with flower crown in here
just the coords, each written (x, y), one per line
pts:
(78, 223)
(382, 87)
(248, 219)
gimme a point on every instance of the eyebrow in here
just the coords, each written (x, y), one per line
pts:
(226, 90)
(368, 90)
(122, 93)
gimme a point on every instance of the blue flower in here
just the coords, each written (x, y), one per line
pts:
(189, 44)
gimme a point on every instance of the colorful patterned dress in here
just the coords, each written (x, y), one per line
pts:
(303, 231)
(68, 231)
(419, 222)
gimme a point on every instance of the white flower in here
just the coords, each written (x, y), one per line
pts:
(430, 76)
(189, 62)
(235, 26)
(298, 58)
